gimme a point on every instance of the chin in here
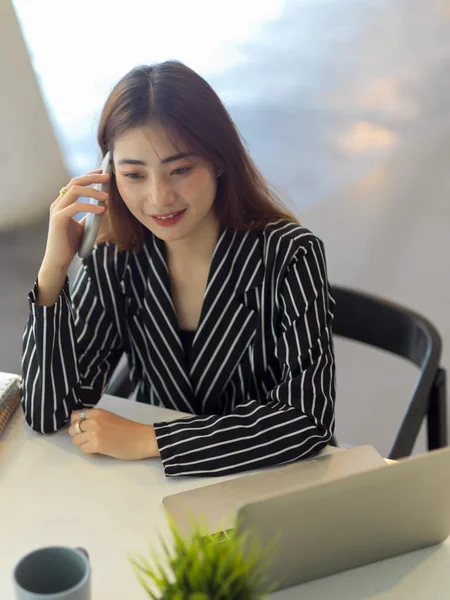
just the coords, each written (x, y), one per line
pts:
(169, 234)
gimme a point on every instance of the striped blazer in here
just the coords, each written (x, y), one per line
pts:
(261, 379)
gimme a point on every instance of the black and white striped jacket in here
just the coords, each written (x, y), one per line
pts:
(261, 380)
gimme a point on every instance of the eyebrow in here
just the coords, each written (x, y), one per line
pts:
(164, 161)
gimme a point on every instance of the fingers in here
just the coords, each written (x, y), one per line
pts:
(88, 448)
(84, 440)
(84, 443)
(79, 186)
(73, 432)
(89, 179)
(79, 207)
(80, 438)
(77, 416)
(78, 191)
(87, 440)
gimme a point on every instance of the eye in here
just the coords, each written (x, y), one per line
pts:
(132, 176)
(181, 171)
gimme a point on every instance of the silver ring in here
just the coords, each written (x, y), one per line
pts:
(83, 415)
(78, 427)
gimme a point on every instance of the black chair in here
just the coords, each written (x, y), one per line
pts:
(388, 326)
(120, 383)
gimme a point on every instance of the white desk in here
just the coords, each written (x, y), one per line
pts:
(50, 493)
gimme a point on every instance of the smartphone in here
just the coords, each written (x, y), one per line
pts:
(92, 223)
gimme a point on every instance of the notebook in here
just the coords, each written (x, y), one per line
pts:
(9, 397)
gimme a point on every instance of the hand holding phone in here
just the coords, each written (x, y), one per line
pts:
(67, 235)
(92, 222)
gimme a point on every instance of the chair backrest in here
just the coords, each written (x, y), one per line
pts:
(391, 327)
(388, 326)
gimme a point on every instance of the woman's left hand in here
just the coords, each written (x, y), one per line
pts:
(105, 433)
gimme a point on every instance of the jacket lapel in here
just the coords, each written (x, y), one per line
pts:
(228, 319)
(167, 365)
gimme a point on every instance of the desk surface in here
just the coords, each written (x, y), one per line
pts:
(52, 494)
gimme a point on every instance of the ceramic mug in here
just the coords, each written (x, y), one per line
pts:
(53, 573)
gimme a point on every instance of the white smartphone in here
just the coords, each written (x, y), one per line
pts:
(92, 223)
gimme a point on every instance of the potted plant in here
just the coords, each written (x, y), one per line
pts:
(206, 568)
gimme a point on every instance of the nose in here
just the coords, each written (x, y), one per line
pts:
(160, 195)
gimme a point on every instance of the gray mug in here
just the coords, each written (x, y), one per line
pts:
(54, 573)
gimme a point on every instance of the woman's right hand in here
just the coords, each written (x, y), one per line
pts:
(65, 232)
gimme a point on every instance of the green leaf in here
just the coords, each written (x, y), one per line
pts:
(197, 569)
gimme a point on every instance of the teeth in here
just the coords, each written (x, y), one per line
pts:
(169, 216)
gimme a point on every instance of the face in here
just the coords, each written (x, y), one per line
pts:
(167, 188)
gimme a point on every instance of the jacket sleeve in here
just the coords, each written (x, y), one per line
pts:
(70, 349)
(296, 420)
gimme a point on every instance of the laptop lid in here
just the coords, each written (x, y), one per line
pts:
(215, 506)
(346, 523)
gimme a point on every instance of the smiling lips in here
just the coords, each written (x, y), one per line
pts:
(169, 218)
(166, 215)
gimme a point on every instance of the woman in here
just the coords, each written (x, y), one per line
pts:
(218, 297)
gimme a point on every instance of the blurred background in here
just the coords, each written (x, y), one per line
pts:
(344, 104)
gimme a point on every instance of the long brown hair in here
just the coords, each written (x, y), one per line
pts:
(176, 97)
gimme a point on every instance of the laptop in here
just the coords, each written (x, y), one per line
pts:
(328, 524)
(217, 504)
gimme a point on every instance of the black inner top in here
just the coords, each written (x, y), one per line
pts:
(187, 337)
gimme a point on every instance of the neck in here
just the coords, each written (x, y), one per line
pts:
(198, 248)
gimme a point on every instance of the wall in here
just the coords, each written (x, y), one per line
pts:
(31, 166)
